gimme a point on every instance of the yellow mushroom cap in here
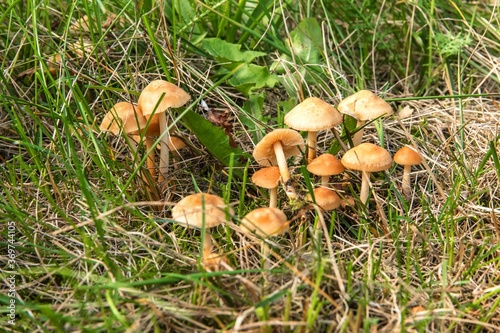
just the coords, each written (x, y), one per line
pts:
(291, 141)
(325, 165)
(191, 210)
(173, 97)
(267, 177)
(367, 157)
(265, 222)
(123, 116)
(364, 105)
(407, 156)
(313, 114)
(325, 198)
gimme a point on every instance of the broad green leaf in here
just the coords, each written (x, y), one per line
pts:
(307, 41)
(251, 76)
(214, 139)
(224, 51)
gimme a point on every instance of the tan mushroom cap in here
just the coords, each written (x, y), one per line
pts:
(267, 177)
(407, 156)
(189, 211)
(175, 143)
(313, 114)
(265, 222)
(364, 105)
(367, 157)
(123, 116)
(173, 97)
(325, 198)
(291, 141)
(325, 165)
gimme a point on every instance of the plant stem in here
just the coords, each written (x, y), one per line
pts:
(164, 151)
(151, 156)
(273, 197)
(311, 146)
(358, 136)
(365, 187)
(285, 174)
(406, 181)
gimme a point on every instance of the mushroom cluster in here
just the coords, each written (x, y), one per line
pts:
(313, 115)
(146, 122)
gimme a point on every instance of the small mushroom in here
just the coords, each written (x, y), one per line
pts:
(264, 222)
(366, 158)
(364, 105)
(126, 117)
(268, 178)
(312, 115)
(407, 156)
(326, 198)
(156, 99)
(325, 165)
(201, 211)
(274, 149)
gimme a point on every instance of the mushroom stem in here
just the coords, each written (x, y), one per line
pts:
(151, 156)
(265, 255)
(284, 172)
(132, 144)
(311, 145)
(207, 244)
(273, 197)
(406, 180)
(324, 180)
(164, 151)
(358, 136)
(365, 187)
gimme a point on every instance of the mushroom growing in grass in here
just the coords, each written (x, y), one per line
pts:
(325, 165)
(275, 148)
(268, 178)
(125, 117)
(265, 222)
(407, 156)
(326, 198)
(364, 106)
(366, 158)
(312, 115)
(156, 99)
(202, 211)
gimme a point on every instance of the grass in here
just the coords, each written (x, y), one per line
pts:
(96, 252)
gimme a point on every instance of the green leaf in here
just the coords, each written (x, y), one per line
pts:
(224, 51)
(251, 76)
(307, 41)
(214, 139)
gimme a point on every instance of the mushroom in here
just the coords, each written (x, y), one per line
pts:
(325, 165)
(367, 158)
(155, 99)
(407, 156)
(312, 115)
(274, 148)
(364, 105)
(126, 117)
(325, 198)
(268, 178)
(201, 211)
(264, 222)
